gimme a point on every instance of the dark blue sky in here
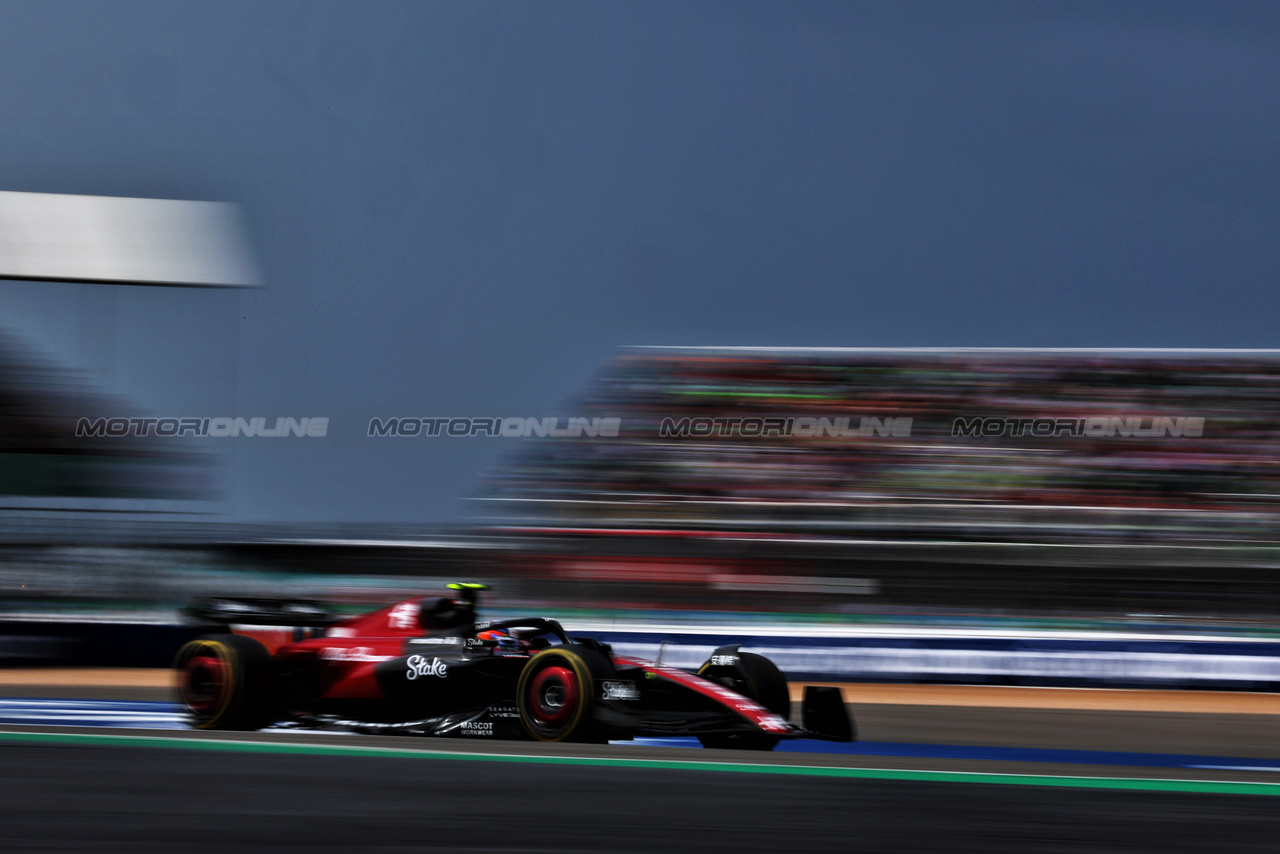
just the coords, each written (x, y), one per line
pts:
(464, 208)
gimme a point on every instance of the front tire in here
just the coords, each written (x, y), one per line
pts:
(759, 679)
(556, 693)
(225, 682)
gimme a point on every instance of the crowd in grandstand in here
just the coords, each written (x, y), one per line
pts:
(1211, 478)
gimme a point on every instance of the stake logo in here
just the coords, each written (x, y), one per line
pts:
(620, 691)
(419, 666)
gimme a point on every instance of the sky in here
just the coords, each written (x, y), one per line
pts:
(467, 208)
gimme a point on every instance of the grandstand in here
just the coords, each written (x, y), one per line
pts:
(874, 483)
(1168, 447)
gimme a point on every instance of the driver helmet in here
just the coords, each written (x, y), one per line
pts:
(504, 640)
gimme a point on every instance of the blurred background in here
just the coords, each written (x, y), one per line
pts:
(647, 213)
(923, 347)
(1147, 501)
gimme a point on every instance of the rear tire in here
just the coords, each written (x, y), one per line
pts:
(765, 684)
(556, 693)
(225, 682)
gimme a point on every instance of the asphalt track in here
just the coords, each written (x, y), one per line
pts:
(927, 777)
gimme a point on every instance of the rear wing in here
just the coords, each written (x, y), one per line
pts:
(224, 611)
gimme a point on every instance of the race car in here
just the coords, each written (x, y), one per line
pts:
(429, 667)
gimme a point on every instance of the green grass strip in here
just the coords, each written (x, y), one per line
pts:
(306, 749)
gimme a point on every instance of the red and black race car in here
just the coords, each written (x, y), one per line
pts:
(427, 666)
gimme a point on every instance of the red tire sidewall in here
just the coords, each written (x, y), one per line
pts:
(546, 681)
(203, 682)
(218, 660)
(567, 669)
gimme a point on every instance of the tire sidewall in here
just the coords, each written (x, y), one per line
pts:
(588, 668)
(246, 702)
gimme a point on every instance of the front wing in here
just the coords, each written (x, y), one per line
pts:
(670, 702)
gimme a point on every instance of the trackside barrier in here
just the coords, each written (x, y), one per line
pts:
(1148, 663)
(1145, 663)
(37, 643)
